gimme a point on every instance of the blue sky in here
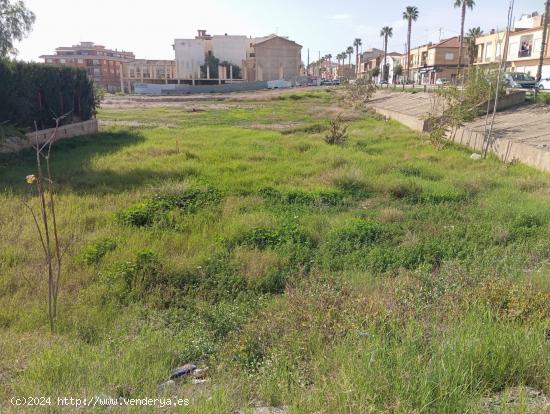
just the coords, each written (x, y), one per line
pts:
(148, 27)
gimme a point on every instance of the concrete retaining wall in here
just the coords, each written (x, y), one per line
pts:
(63, 132)
(410, 121)
(505, 149)
(418, 124)
(172, 89)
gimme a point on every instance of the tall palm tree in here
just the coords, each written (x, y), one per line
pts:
(463, 4)
(329, 58)
(386, 33)
(349, 52)
(357, 42)
(411, 15)
(471, 38)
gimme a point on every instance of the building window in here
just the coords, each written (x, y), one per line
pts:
(95, 62)
(525, 46)
(62, 61)
(449, 56)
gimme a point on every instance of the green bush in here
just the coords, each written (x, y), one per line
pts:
(358, 235)
(151, 211)
(93, 253)
(31, 92)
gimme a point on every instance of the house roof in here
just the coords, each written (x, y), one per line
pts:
(450, 42)
(271, 37)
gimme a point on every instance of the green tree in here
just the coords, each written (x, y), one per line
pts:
(386, 33)
(357, 43)
(471, 38)
(411, 15)
(349, 52)
(398, 72)
(463, 5)
(212, 63)
(16, 22)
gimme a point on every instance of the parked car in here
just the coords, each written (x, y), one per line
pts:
(544, 85)
(336, 82)
(442, 81)
(519, 80)
(384, 82)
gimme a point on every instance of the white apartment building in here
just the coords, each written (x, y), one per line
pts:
(191, 53)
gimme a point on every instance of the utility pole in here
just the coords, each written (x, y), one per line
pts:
(307, 72)
(546, 21)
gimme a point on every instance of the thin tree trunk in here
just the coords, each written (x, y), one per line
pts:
(461, 47)
(356, 61)
(544, 40)
(385, 57)
(409, 49)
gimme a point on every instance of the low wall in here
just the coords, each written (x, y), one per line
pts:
(505, 149)
(173, 89)
(410, 121)
(63, 132)
(508, 101)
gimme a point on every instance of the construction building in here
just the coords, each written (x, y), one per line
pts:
(147, 71)
(229, 57)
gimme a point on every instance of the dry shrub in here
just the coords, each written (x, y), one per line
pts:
(512, 301)
(254, 264)
(391, 215)
(337, 133)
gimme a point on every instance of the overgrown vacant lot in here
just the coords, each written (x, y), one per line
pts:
(383, 275)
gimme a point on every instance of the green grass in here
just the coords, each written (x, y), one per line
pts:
(379, 276)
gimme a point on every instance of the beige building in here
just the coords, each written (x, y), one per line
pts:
(436, 61)
(273, 58)
(524, 47)
(364, 66)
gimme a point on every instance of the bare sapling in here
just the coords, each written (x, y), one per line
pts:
(45, 219)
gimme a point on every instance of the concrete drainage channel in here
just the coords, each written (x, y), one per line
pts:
(521, 132)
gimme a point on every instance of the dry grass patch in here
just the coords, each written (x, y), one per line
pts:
(255, 264)
(391, 215)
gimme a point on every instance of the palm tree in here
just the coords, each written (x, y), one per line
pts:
(349, 52)
(329, 58)
(411, 15)
(463, 4)
(357, 42)
(471, 38)
(386, 33)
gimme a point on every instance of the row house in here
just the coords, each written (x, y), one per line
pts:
(104, 66)
(524, 47)
(431, 62)
(367, 62)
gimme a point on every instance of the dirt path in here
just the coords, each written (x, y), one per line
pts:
(141, 101)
